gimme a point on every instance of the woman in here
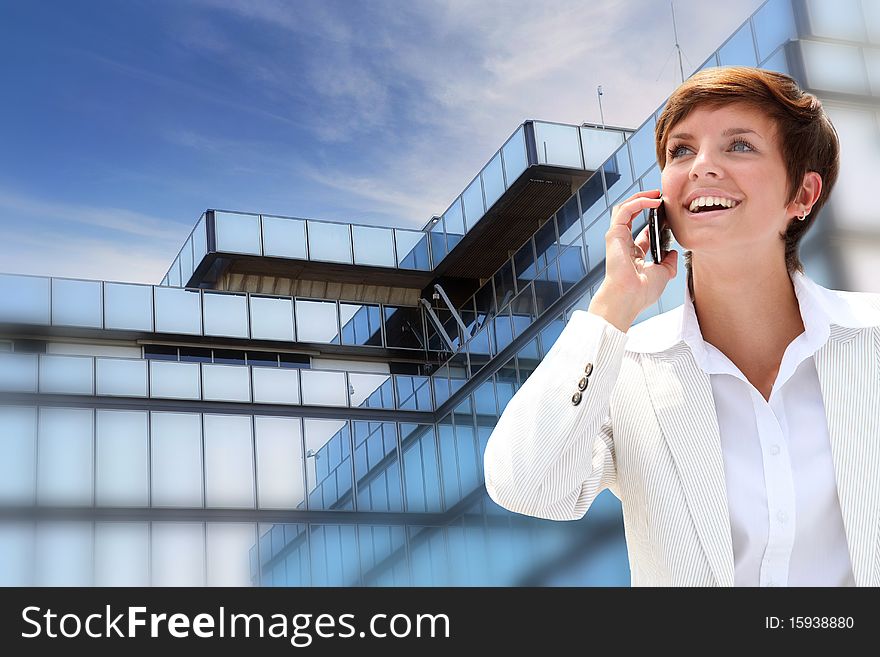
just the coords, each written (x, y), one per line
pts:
(741, 430)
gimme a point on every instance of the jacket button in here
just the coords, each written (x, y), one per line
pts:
(588, 369)
(582, 384)
(576, 398)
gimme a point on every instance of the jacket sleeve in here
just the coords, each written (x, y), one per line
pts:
(548, 456)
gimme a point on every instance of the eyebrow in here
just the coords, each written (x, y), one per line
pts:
(726, 133)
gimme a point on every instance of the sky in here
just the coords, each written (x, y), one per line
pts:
(121, 122)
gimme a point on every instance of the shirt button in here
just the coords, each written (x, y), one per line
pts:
(588, 369)
(774, 450)
(781, 517)
(582, 384)
(576, 398)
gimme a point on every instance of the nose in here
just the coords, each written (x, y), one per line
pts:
(703, 165)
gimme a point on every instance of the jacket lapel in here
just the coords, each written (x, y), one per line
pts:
(848, 378)
(681, 393)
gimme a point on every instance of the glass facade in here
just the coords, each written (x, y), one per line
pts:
(264, 439)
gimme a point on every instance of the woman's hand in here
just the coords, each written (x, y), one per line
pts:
(631, 284)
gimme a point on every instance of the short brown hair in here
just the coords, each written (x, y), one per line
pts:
(807, 138)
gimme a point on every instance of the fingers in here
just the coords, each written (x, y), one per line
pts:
(623, 213)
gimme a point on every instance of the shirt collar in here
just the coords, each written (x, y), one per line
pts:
(820, 308)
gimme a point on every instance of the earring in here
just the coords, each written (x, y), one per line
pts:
(804, 216)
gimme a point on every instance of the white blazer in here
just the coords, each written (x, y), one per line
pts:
(633, 412)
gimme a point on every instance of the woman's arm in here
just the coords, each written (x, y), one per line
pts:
(548, 456)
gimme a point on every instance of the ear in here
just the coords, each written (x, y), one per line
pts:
(811, 189)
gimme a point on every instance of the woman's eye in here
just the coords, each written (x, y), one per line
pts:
(742, 143)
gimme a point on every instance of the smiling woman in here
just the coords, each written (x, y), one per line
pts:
(737, 429)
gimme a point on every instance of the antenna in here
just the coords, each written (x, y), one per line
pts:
(601, 115)
(677, 47)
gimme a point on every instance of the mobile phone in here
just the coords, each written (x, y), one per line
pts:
(656, 222)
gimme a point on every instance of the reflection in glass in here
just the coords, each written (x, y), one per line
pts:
(280, 475)
(550, 333)
(178, 554)
(572, 266)
(121, 447)
(524, 264)
(329, 241)
(174, 380)
(128, 307)
(568, 221)
(546, 246)
(739, 49)
(547, 288)
(618, 175)
(77, 303)
(403, 327)
(412, 249)
(225, 314)
(454, 222)
(229, 461)
(275, 385)
(371, 390)
(317, 321)
(504, 286)
(599, 144)
(64, 459)
(413, 392)
(178, 310)
(641, 145)
(24, 299)
(420, 466)
(592, 198)
(66, 375)
(271, 318)
(493, 180)
(361, 324)
(122, 554)
(514, 154)
(473, 203)
(237, 233)
(323, 388)
(438, 242)
(176, 456)
(373, 246)
(774, 25)
(226, 383)
(284, 238)
(377, 466)
(558, 145)
(18, 436)
(594, 236)
(328, 463)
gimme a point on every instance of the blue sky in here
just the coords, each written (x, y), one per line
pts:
(123, 121)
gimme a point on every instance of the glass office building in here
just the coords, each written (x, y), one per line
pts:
(306, 403)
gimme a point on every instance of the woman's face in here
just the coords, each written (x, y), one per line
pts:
(732, 152)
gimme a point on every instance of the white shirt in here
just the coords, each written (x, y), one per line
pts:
(785, 519)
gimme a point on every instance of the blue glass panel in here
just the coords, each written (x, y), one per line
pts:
(237, 233)
(514, 155)
(361, 324)
(329, 242)
(412, 249)
(568, 221)
(493, 180)
(77, 303)
(618, 175)
(454, 222)
(774, 25)
(128, 307)
(24, 299)
(473, 203)
(641, 145)
(572, 266)
(284, 237)
(740, 49)
(598, 145)
(558, 145)
(592, 198)
(373, 246)
(546, 246)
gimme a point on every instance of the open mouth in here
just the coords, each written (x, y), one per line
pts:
(707, 211)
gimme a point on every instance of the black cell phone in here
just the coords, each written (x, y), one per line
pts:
(656, 223)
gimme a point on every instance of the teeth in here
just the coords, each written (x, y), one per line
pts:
(702, 201)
